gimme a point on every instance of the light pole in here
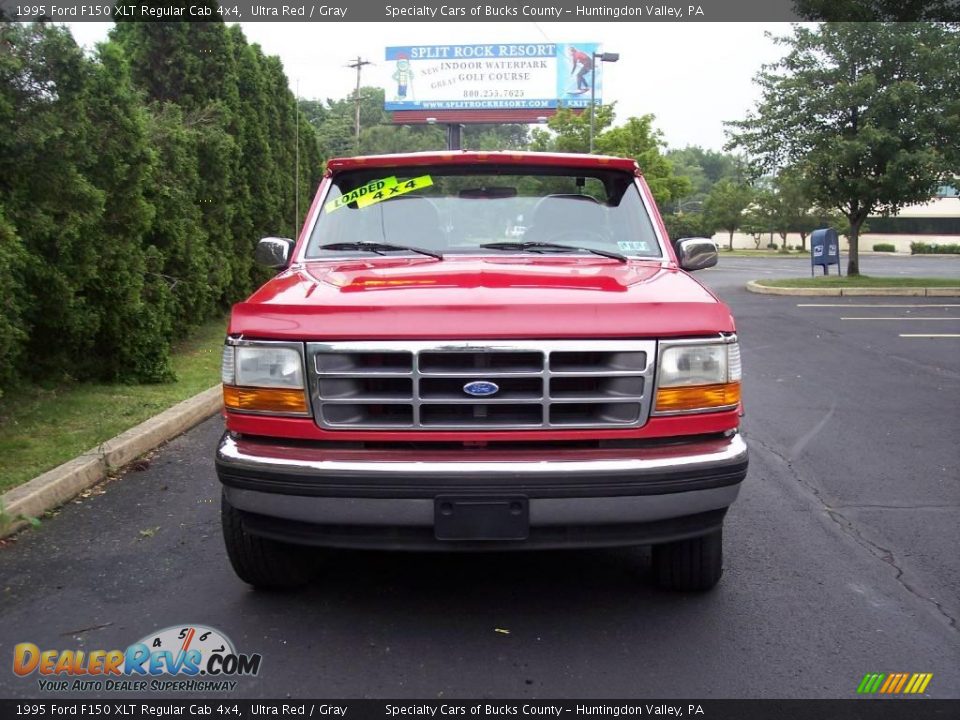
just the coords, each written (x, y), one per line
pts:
(602, 57)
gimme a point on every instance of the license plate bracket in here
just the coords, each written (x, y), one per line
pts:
(460, 517)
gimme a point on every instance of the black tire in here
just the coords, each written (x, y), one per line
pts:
(261, 562)
(689, 565)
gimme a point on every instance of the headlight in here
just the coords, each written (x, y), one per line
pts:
(268, 366)
(263, 377)
(698, 377)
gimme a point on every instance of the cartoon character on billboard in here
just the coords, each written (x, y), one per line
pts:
(403, 76)
(581, 63)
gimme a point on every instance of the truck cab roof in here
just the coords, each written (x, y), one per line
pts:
(485, 157)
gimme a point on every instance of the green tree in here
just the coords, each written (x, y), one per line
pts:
(284, 129)
(878, 10)
(133, 186)
(334, 122)
(725, 205)
(310, 169)
(687, 225)
(398, 139)
(73, 177)
(761, 216)
(12, 332)
(870, 110)
(193, 66)
(177, 232)
(132, 306)
(508, 136)
(783, 206)
(795, 211)
(570, 130)
(55, 209)
(704, 168)
(638, 139)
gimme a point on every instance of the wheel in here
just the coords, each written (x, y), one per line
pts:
(689, 565)
(262, 562)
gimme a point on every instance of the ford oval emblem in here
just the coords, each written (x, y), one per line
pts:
(481, 388)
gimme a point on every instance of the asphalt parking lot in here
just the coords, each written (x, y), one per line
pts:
(841, 553)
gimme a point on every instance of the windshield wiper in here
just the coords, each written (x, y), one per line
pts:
(541, 246)
(378, 248)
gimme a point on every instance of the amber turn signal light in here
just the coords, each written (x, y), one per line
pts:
(697, 397)
(272, 400)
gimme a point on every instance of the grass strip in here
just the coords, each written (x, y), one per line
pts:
(42, 426)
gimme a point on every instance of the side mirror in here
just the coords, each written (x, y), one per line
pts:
(274, 252)
(696, 253)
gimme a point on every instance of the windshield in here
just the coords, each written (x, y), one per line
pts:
(458, 210)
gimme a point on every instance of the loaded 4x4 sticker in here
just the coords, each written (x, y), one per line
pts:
(395, 189)
(378, 191)
(357, 193)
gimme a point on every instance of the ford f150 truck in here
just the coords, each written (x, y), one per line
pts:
(419, 375)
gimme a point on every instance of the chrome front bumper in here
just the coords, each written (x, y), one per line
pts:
(577, 497)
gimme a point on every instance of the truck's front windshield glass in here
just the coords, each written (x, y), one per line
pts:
(458, 210)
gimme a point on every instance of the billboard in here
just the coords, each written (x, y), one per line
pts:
(515, 76)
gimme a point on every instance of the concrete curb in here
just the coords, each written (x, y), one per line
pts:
(755, 287)
(55, 487)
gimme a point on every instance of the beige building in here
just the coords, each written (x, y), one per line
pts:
(936, 223)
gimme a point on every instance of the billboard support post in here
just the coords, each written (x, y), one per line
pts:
(454, 136)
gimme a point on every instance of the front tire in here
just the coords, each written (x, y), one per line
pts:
(693, 565)
(262, 562)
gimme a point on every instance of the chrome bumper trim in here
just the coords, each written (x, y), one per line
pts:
(254, 455)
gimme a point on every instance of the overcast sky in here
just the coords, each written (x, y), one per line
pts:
(692, 76)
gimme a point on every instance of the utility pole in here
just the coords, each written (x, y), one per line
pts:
(296, 172)
(357, 65)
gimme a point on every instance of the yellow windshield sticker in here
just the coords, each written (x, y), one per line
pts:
(394, 189)
(360, 192)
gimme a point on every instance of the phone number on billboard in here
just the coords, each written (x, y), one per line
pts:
(493, 93)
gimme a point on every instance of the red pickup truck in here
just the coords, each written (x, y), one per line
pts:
(480, 351)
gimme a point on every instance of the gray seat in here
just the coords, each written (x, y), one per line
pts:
(410, 220)
(558, 215)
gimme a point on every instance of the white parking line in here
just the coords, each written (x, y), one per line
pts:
(865, 305)
(900, 318)
(929, 336)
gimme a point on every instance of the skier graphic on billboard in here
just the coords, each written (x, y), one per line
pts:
(581, 64)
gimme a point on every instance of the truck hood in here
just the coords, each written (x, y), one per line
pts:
(480, 297)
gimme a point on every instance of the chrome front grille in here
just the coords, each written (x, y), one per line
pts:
(419, 385)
